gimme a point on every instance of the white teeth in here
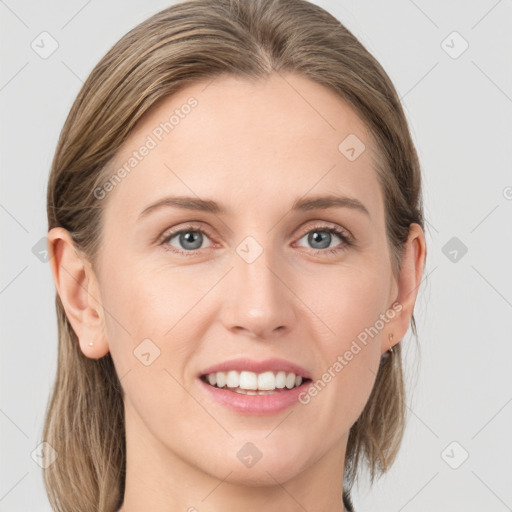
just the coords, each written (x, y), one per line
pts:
(250, 383)
(232, 379)
(248, 380)
(251, 392)
(290, 380)
(221, 379)
(267, 381)
(280, 380)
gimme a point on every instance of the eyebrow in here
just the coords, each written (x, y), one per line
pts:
(301, 204)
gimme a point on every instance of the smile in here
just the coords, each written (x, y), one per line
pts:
(248, 386)
(251, 383)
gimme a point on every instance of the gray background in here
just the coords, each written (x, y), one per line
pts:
(460, 112)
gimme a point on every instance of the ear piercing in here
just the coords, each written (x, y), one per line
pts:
(390, 340)
(91, 343)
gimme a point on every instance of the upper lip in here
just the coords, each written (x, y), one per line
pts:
(251, 365)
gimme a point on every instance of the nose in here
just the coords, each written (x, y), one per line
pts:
(260, 300)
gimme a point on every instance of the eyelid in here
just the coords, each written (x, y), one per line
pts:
(344, 234)
(326, 225)
(188, 226)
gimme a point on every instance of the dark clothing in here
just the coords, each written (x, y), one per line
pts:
(347, 502)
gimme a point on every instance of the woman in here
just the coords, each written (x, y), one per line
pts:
(236, 239)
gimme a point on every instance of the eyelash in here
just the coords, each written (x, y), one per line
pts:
(346, 239)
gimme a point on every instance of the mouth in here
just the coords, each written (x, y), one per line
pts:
(248, 386)
(252, 383)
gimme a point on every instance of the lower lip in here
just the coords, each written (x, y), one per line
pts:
(255, 404)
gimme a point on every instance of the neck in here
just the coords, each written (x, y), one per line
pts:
(159, 480)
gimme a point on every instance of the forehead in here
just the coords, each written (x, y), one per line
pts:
(244, 143)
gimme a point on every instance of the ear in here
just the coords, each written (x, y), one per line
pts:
(78, 290)
(407, 285)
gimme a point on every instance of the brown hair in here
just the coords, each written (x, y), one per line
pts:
(186, 43)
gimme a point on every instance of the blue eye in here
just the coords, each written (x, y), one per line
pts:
(191, 238)
(318, 236)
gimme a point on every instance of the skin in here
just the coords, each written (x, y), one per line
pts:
(253, 147)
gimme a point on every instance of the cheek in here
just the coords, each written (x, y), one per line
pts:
(151, 340)
(349, 302)
(149, 312)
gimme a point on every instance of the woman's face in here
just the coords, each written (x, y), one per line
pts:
(250, 276)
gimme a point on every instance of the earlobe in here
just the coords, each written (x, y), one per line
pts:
(411, 271)
(77, 287)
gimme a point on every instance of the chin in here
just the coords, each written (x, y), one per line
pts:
(261, 474)
(259, 462)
